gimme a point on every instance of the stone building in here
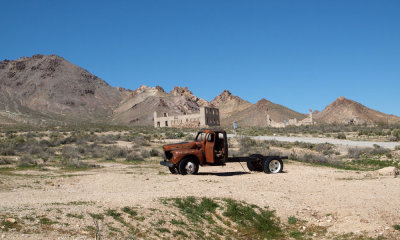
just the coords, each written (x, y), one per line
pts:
(207, 117)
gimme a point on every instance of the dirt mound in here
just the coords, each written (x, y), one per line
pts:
(346, 111)
(388, 171)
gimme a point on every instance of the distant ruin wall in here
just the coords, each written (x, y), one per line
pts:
(205, 118)
(291, 122)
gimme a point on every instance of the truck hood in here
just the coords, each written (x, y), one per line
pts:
(183, 145)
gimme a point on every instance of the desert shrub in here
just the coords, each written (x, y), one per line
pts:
(325, 148)
(189, 137)
(45, 156)
(304, 145)
(171, 135)
(6, 149)
(94, 150)
(35, 149)
(74, 163)
(378, 150)
(246, 143)
(292, 220)
(316, 159)
(69, 152)
(145, 153)
(154, 152)
(341, 136)
(105, 139)
(45, 143)
(26, 161)
(115, 152)
(357, 152)
(134, 156)
(396, 134)
(140, 141)
(4, 161)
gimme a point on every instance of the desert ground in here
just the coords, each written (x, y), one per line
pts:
(139, 200)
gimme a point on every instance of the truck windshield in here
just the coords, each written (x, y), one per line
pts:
(200, 136)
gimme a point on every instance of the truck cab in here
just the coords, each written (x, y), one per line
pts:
(210, 147)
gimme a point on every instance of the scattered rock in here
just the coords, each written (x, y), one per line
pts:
(10, 220)
(388, 171)
(363, 220)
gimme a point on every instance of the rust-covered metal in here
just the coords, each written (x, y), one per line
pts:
(210, 147)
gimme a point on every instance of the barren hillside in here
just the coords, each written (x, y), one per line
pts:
(38, 88)
(345, 111)
(256, 114)
(52, 85)
(229, 104)
(139, 106)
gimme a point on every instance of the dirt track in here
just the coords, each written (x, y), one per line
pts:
(346, 201)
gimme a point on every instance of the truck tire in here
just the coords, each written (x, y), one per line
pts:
(273, 165)
(188, 166)
(255, 166)
(173, 170)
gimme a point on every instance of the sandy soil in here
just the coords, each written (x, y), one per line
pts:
(345, 201)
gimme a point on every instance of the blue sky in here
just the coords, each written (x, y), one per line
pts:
(301, 54)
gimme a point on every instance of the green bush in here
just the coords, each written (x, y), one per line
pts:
(292, 220)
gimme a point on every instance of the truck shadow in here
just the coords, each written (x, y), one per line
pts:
(223, 174)
(229, 174)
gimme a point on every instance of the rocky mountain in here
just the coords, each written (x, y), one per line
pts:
(50, 85)
(256, 114)
(229, 104)
(139, 106)
(42, 87)
(344, 111)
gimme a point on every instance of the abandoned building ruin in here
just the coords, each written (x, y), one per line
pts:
(291, 122)
(207, 117)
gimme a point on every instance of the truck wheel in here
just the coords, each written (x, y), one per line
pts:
(273, 165)
(188, 166)
(173, 170)
(255, 165)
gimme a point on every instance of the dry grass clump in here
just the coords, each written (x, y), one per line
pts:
(134, 156)
(5, 161)
(250, 146)
(317, 159)
(27, 161)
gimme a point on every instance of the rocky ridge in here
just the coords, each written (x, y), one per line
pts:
(49, 87)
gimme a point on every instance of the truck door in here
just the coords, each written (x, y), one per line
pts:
(210, 143)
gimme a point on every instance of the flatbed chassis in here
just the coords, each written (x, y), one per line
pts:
(255, 162)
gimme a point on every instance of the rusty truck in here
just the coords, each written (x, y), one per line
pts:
(210, 148)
